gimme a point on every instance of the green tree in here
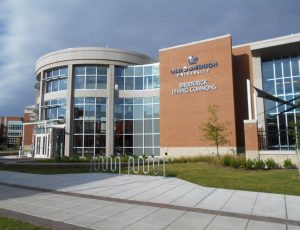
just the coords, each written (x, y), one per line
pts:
(213, 130)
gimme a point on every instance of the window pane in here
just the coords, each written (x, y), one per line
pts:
(63, 84)
(138, 126)
(286, 67)
(279, 87)
(148, 126)
(101, 82)
(129, 71)
(148, 70)
(138, 140)
(278, 71)
(55, 85)
(156, 140)
(128, 141)
(80, 70)
(100, 141)
(79, 82)
(138, 83)
(129, 83)
(288, 85)
(148, 140)
(89, 141)
(128, 112)
(101, 70)
(155, 83)
(90, 82)
(55, 72)
(148, 111)
(155, 125)
(78, 141)
(78, 126)
(90, 70)
(63, 71)
(138, 71)
(89, 126)
(295, 66)
(138, 112)
(119, 71)
(128, 126)
(89, 112)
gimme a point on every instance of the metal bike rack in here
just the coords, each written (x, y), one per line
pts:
(146, 161)
(105, 164)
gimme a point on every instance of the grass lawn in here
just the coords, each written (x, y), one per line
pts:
(285, 181)
(12, 224)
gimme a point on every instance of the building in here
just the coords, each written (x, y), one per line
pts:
(96, 101)
(11, 129)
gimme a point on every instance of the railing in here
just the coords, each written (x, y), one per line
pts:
(108, 164)
(277, 140)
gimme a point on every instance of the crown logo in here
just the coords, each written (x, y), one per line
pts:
(192, 60)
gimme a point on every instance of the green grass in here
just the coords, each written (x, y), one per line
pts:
(285, 181)
(12, 224)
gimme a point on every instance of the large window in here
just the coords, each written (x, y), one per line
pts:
(55, 109)
(141, 77)
(281, 78)
(89, 126)
(56, 79)
(136, 127)
(90, 77)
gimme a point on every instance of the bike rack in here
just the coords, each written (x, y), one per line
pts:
(147, 161)
(102, 163)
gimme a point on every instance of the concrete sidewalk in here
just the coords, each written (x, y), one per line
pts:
(110, 201)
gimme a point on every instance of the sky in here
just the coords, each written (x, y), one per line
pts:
(32, 28)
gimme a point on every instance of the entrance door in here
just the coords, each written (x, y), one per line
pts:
(41, 146)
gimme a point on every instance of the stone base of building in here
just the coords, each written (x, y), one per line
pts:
(195, 151)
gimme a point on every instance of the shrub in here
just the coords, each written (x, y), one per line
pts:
(233, 161)
(249, 164)
(259, 164)
(288, 164)
(271, 164)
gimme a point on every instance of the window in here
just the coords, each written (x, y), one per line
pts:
(56, 79)
(89, 125)
(90, 77)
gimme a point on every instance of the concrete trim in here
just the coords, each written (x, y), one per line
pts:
(278, 152)
(250, 121)
(272, 42)
(196, 42)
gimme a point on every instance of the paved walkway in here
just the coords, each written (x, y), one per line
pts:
(109, 201)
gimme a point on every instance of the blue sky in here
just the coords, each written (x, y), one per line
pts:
(31, 28)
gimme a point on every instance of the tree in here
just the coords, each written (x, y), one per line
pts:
(213, 130)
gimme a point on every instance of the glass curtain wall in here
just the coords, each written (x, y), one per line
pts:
(136, 120)
(55, 109)
(90, 77)
(281, 78)
(56, 79)
(89, 126)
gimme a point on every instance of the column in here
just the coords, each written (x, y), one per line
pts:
(69, 114)
(110, 111)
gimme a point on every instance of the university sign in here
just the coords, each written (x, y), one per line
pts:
(193, 69)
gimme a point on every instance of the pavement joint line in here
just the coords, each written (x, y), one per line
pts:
(192, 189)
(147, 189)
(207, 195)
(210, 222)
(172, 222)
(161, 205)
(252, 210)
(286, 213)
(39, 221)
(223, 206)
(165, 192)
